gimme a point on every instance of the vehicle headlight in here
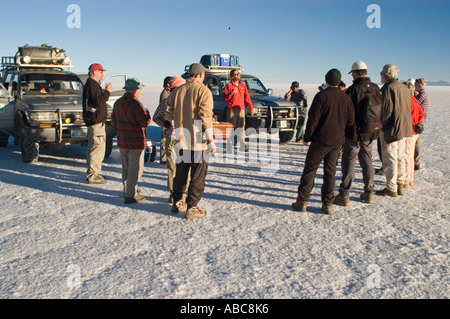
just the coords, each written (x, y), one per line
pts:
(26, 59)
(43, 116)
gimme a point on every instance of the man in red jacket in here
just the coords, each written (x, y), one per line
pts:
(131, 119)
(236, 95)
(95, 113)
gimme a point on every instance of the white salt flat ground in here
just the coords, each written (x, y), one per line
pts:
(63, 238)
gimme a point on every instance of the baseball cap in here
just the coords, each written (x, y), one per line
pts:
(133, 84)
(196, 68)
(358, 65)
(95, 67)
(295, 84)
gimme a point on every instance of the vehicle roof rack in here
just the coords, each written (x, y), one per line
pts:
(220, 63)
(11, 61)
(44, 56)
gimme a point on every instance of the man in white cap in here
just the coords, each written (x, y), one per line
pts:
(191, 109)
(358, 145)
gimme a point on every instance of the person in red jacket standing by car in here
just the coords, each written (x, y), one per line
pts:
(236, 95)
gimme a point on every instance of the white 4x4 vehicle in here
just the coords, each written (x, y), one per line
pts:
(41, 102)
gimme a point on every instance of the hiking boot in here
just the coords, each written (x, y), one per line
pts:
(416, 167)
(386, 192)
(367, 197)
(327, 209)
(97, 179)
(179, 206)
(300, 206)
(400, 190)
(342, 200)
(136, 199)
(195, 212)
(380, 172)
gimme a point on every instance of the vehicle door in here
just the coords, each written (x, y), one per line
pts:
(118, 82)
(7, 102)
(220, 106)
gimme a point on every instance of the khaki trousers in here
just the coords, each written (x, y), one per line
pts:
(409, 159)
(393, 162)
(132, 170)
(171, 158)
(96, 149)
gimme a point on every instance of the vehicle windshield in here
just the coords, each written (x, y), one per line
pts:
(51, 84)
(254, 85)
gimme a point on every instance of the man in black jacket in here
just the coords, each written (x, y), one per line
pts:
(358, 145)
(330, 113)
(95, 113)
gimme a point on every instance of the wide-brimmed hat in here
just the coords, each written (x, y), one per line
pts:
(133, 84)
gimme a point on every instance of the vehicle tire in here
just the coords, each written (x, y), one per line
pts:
(4, 139)
(30, 149)
(109, 145)
(286, 137)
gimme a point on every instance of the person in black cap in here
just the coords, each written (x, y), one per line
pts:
(330, 113)
(298, 96)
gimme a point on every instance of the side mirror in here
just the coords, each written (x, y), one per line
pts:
(3, 92)
(270, 92)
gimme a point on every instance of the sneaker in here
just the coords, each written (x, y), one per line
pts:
(195, 212)
(179, 206)
(400, 190)
(342, 200)
(300, 206)
(136, 199)
(386, 192)
(96, 179)
(380, 172)
(299, 140)
(367, 197)
(327, 209)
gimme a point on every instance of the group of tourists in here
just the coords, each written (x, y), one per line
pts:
(335, 125)
(338, 123)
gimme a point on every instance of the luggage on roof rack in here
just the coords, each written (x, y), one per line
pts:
(33, 56)
(220, 62)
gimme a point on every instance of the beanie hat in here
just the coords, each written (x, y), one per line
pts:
(333, 77)
(176, 81)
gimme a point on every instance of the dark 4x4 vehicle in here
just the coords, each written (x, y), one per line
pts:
(41, 102)
(270, 112)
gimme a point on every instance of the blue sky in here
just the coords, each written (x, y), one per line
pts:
(279, 41)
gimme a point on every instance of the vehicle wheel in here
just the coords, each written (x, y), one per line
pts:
(30, 149)
(286, 137)
(109, 145)
(4, 139)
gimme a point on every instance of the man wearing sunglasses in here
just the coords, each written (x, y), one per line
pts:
(236, 95)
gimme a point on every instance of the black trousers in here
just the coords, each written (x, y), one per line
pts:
(316, 153)
(197, 166)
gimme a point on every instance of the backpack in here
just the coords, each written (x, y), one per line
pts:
(370, 108)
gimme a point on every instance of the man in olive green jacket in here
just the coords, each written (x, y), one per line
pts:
(191, 108)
